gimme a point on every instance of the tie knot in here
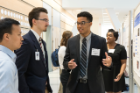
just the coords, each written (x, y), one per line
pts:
(40, 39)
(84, 40)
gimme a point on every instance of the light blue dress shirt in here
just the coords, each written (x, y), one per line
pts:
(8, 71)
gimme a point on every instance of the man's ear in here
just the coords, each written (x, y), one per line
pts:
(6, 36)
(90, 24)
(33, 21)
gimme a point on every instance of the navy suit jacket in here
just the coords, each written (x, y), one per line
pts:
(33, 74)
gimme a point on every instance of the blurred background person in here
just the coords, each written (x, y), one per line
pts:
(64, 73)
(114, 79)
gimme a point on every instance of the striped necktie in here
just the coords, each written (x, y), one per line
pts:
(83, 58)
(41, 44)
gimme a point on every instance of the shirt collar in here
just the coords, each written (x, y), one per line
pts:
(36, 35)
(10, 53)
(87, 38)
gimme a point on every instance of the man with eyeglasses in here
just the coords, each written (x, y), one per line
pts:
(32, 58)
(85, 54)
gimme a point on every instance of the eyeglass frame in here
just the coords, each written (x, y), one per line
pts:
(45, 20)
(81, 23)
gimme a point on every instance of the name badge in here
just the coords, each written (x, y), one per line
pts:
(95, 52)
(111, 51)
(37, 55)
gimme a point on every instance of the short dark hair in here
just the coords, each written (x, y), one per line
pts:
(116, 34)
(34, 14)
(85, 14)
(6, 26)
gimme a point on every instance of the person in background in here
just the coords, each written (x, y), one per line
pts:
(32, 57)
(114, 79)
(64, 73)
(10, 40)
(126, 74)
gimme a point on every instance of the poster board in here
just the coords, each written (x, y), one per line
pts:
(125, 39)
(136, 45)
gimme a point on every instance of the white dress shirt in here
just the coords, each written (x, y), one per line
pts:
(8, 71)
(61, 54)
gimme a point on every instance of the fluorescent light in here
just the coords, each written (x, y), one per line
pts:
(117, 13)
(104, 13)
(106, 20)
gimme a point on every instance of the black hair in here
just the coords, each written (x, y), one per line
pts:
(116, 34)
(6, 26)
(85, 14)
(35, 14)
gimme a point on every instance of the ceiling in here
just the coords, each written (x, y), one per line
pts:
(97, 8)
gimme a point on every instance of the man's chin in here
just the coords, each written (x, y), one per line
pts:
(81, 33)
(44, 30)
(17, 48)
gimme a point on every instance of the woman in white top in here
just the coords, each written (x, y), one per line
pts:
(64, 73)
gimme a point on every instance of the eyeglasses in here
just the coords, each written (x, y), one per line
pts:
(45, 20)
(81, 23)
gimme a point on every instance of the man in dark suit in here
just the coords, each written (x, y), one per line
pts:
(32, 58)
(85, 54)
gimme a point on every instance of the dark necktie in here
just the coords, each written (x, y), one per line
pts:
(83, 58)
(41, 44)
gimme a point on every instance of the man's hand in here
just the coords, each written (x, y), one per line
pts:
(108, 61)
(72, 64)
(118, 77)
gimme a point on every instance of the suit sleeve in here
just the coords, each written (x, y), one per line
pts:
(47, 62)
(104, 49)
(48, 79)
(23, 57)
(66, 57)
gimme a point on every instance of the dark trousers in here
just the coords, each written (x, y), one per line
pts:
(64, 79)
(82, 88)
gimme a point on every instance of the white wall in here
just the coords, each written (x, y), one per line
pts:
(74, 30)
(104, 29)
(96, 28)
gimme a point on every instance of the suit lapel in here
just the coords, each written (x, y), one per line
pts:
(94, 44)
(46, 55)
(78, 47)
(37, 46)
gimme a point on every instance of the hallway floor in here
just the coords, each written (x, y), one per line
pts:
(55, 81)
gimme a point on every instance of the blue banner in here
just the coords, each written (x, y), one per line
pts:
(137, 20)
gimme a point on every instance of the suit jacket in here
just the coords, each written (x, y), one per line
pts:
(95, 78)
(33, 74)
